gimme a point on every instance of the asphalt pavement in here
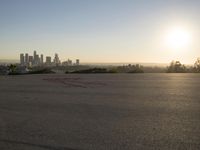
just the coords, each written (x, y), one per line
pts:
(100, 112)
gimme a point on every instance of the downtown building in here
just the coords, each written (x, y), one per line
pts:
(38, 60)
(35, 60)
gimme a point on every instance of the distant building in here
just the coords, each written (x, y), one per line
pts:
(56, 60)
(64, 63)
(77, 62)
(21, 59)
(30, 60)
(34, 57)
(26, 59)
(69, 62)
(41, 59)
(37, 60)
(48, 60)
(34, 54)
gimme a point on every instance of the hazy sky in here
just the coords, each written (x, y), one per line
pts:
(99, 30)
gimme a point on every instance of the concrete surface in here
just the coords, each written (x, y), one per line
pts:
(100, 112)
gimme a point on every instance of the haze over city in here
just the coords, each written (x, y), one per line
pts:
(102, 31)
(99, 74)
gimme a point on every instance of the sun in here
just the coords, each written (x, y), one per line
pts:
(178, 38)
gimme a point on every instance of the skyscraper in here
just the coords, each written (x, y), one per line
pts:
(69, 62)
(34, 54)
(77, 62)
(30, 60)
(37, 60)
(26, 59)
(41, 59)
(34, 57)
(48, 60)
(56, 60)
(21, 59)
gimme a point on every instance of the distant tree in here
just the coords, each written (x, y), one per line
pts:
(12, 68)
(197, 65)
(136, 69)
(130, 69)
(176, 67)
(92, 70)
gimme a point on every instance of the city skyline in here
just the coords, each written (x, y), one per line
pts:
(36, 59)
(102, 31)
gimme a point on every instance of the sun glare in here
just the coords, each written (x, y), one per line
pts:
(178, 38)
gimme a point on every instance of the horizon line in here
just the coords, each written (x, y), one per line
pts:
(160, 63)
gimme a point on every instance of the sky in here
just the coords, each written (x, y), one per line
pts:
(100, 30)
